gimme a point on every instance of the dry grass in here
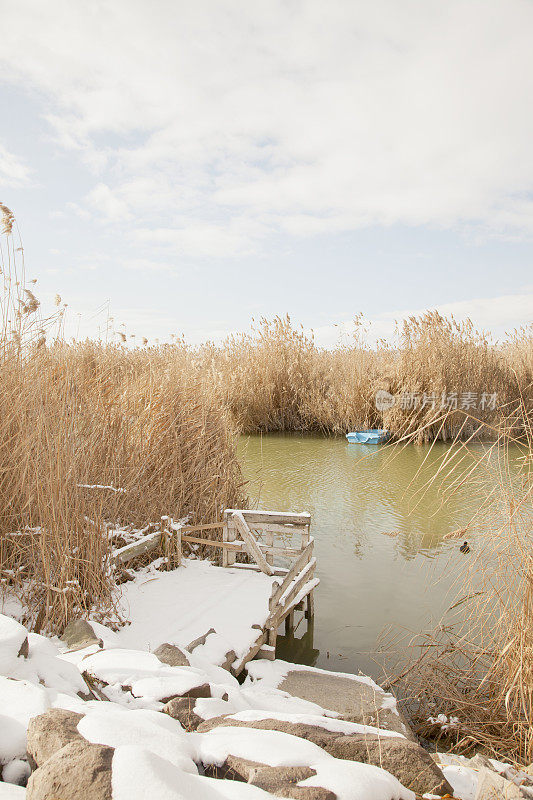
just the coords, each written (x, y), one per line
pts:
(86, 414)
(276, 379)
(477, 666)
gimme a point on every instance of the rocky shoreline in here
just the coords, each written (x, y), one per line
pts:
(86, 720)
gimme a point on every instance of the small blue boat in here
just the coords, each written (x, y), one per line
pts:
(373, 436)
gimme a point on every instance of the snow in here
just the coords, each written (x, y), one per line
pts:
(143, 673)
(114, 726)
(274, 748)
(330, 724)
(154, 756)
(459, 775)
(181, 605)
(259, 699)
(138, 773)
(16, 771)
(347, 779)
(350, 780)
(270, 674)
(12, 636)
(9, 791)
(19, 702)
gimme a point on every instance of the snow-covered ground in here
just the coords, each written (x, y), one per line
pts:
(181, 605)
(153, 754)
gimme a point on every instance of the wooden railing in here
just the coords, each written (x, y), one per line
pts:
(263, 536)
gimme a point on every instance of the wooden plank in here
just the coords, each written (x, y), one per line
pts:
(288, 552)
(284, 529)
(310, 610)
(171, 538)
(250, 542)
(283, 517)
(177, 544)
(301, 578)
(208, 527)
(237, 667)
(272, 636)
(234, 546)
(267, 651)
(296, 568)
(280, 572)
(305, 590)
(138, 548)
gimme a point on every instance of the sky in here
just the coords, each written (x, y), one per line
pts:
(185, 167)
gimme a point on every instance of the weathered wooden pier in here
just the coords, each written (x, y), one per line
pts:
(277, 543)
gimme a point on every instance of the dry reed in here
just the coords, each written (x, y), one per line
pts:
(86, 414)
(277, 379)
(476, 667)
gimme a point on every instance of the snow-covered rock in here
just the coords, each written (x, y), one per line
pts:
(106, 723)
(355, 698)
(12, 641)
(51, 731)
(406, 760)
(19, 702)
(78, 771)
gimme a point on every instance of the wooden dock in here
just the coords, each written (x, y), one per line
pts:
(278, 544)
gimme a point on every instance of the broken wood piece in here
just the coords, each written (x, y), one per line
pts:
(200, 640)
(250, 543)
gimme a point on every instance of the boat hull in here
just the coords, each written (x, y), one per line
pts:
(375, 436)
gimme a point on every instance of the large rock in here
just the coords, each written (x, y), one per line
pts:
(490, 786)
(282, 782)
(313, 733)
(182, 709)
(406, 760)
(279, 781)
(79, 634)
(50, 732)
(172, 655)
(79, 771)
(354, 700)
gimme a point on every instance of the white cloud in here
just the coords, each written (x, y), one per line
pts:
(497, 315)
(13, 171)
(309, 117)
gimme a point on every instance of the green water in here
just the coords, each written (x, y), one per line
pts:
(371, 584)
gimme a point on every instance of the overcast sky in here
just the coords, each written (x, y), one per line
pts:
(191, 165)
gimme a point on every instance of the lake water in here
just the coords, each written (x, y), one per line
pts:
(370, 583)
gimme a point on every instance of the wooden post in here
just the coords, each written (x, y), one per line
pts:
(306, 535)
(228, 535)
(289, 623)
(269, 541)
(310, 610)
(177, 542)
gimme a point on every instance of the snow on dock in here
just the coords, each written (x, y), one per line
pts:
(228, 614)
(184, 604)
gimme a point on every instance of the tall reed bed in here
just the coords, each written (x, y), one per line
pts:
(276, 379)
(476, 666)
(75, 417)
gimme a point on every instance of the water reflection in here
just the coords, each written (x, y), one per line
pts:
(379, 530)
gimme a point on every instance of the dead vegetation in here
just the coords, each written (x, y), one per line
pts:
(92, 435)
(470, 684)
